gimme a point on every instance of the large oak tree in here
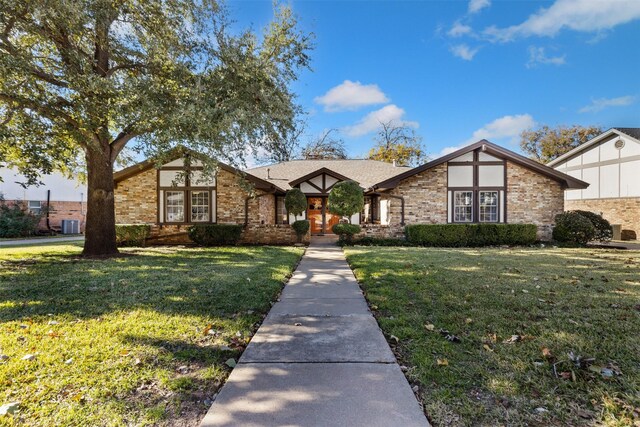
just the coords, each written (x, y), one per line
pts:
(81, 79)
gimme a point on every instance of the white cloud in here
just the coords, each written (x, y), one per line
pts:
(577, 15)
(477, 5)
(463, 51)
(459, 29)
(537, 56)
(351, 96)
(504, 127)
(371, 122)
(449, 150)
(602, 103)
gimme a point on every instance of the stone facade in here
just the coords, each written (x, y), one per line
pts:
(624, 211)
(379, 231)
(272, 234)
(533, 198)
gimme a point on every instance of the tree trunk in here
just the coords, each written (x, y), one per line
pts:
(100, 228)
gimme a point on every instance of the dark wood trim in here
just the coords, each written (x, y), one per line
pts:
(506, 192)
(476, 163)
(158, 197)
(180, 168)
(314, 186)
(317, 172)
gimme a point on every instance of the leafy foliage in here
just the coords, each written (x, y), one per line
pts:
(470, 235)
(89, 77)
(327, 147)
(346, 231)
(16, 220)
(399, 143)
(132, 234)
(295, 202)
(573, 227)
(545, 144)
(604, 232)
(346, 199)
(215, 234)
(301, 227)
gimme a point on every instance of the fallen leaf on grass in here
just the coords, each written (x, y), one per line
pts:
(517, 338)
(468, 320)
(429, 327)
(231, 363)
(546, 353)
(9, 408)
(394, 338)
(442, 362)
(486, 347)
(29, 357)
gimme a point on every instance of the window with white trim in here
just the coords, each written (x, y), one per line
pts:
(463, 206)
(199, 206)
(174, 206)
(35, 207)
(488, 211)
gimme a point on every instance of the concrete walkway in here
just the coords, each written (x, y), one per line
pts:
(319, 358)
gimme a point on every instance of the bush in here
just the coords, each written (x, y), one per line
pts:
(604, 232)
(573, 227)
(346, 199)
(132, 234)
(346, 231)
(301, 227)
(295, 202)
(17, 221)
(215, 234)
(459, 235)
(376, 241)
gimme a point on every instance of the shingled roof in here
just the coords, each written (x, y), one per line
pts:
(365, 172)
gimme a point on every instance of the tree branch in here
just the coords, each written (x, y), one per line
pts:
(121, 140)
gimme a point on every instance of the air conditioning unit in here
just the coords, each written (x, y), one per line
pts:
(70, 226)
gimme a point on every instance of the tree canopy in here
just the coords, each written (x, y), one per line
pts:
(346, 199)
(327, 146)
(399, 143)
(546, 143)
(79, 80)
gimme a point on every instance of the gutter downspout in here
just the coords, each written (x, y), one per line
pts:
(48, 203)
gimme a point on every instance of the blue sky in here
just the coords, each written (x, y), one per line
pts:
(459, 71)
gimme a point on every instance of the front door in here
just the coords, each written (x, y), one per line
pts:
(320, 219)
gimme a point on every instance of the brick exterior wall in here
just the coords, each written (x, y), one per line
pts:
(136, 199)
(58, 211)
(273, 234)
(533, 199)
(425, 198)
(624, 211)
(379, 231)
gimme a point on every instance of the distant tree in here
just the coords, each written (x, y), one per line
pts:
(295, 202)
(327, 146)
(545, 143)
(398, 142)
(346, 199)
(285, 146)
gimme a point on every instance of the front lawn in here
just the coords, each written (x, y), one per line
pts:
(517, 314)
(137, 340)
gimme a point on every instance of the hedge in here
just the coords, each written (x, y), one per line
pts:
(574, 228)
(215, 234)
(604, 231)
(346, 230)
(132, 234)
(472, 235)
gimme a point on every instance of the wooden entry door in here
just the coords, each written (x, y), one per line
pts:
(315, 210)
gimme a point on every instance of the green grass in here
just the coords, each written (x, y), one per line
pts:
(584, 301)
(136, 340)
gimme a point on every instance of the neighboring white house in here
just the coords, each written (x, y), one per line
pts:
(65, 197)
(610, 163)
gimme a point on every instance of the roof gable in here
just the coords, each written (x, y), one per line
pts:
(633, 133)
(317, 172)
(493, 149)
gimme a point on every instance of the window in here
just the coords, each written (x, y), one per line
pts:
(35, 207)
(281, 211)
(463, 206)
(488, 206)
(175, 206)
(199, 206)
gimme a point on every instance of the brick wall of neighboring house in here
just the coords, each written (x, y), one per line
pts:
(624, 211)
(533, 199)
(58, 211)
(425, 198)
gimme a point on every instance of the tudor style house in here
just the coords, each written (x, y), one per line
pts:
(610, 163)
(482, 182)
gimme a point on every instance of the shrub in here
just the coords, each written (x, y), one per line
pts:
(604, 231)
(459, 235)
(346, 231)
(132, 234)
(573, 227)
(215, 234)
(301, 227)
(17, 221)
(346, 199)
(295, 202)
(376, 241)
